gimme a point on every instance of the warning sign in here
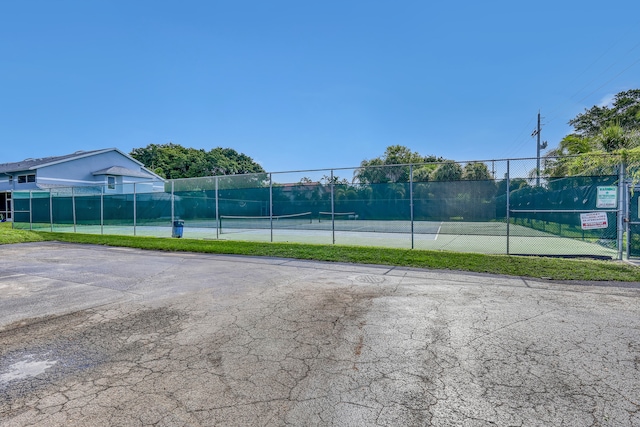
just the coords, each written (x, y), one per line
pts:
(607, 197)
(593, 220)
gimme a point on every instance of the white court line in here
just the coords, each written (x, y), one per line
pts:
(438, 232)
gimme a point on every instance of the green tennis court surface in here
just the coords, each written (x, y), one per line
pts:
(479, 237)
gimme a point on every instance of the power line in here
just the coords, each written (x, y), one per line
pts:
(611, 79)
(554, 114)
(523, 141)
(563, 107)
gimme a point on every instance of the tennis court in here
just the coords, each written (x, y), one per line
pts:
(485, 215)
(478, 237)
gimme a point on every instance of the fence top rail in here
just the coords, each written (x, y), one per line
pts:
(561, 210)
(519, 159)
(404, 165)
(352, 168)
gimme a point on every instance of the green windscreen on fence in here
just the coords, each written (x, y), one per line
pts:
(559, 207)
(463, 207)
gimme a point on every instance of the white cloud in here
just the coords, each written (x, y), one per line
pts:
(607, 100)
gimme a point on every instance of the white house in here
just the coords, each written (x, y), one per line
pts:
(110, 167)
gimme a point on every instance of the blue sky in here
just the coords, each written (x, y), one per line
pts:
(308, 84)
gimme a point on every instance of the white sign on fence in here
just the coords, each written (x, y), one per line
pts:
(607, 197)
(593, 220)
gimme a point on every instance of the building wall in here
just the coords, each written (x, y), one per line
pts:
(125, 185)
(7, 185)
(79, 172)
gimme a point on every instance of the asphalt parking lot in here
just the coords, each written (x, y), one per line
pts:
(99, 336)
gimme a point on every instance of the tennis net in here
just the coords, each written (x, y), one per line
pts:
(234, 223)
(338, 216)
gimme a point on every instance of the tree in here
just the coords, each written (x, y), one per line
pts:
(614, 138)
(336, 180)
(423, 173)
(599, 133)
(175, 161)
(447, 171)
(476, 172)
(624, 112)
(392, 166)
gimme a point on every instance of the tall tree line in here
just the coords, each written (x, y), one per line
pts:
(174, 161)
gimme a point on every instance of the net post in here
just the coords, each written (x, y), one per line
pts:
(411, 201)
(102, 209)
(217, 213)
(135, 213)
(271, 206)
(333, 212)
(508, 201)
(30, 210)
(51, 210)
(73, 208)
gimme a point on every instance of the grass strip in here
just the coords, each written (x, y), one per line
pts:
(552, 268)
(9, 235)
(538, 267)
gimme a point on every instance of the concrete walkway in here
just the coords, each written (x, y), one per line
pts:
(99, 336)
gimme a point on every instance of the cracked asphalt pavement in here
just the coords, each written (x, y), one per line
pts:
(100, 336)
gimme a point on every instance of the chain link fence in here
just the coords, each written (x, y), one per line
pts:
(497, 206)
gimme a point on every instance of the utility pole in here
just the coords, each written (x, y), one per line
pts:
(538, 152)
(539, 146)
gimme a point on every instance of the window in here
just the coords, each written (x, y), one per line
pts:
(22, 179)
(111, 182)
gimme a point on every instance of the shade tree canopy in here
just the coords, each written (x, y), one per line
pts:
(599, 131)
(385, 169)
(174, 161)
(623, 112)
(476, 172)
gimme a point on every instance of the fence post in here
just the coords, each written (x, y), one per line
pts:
(51, 210)
(135, 210)
(173, 208)
(102, 210)
(333, 216)
(271, 205)
(627, 208)
(30, 210)
(411, 201)
(217, 214)
(508, 205)
(73, 208)
(620, 208)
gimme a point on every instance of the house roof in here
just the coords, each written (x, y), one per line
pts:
(32, 164)
(121, 171)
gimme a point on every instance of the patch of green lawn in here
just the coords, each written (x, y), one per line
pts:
(9, 235)
(552, 268)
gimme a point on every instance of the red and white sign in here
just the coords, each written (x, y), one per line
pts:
(593, 220)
